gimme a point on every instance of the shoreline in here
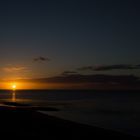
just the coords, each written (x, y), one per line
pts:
(19, 121)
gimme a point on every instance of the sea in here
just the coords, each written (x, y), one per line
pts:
(115, 110)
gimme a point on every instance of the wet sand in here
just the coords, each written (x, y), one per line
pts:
(25, 122)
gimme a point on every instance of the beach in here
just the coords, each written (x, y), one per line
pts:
(39, 113)
(21, 122)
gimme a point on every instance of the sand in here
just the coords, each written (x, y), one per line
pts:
(19, 122)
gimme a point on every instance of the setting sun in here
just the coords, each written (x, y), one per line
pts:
(14, 86)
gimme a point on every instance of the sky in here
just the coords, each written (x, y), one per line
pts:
(59, 38)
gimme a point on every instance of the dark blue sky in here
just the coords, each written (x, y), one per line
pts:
(71, 34)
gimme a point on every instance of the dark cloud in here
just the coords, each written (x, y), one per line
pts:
(109, 67)
(117, 67)
(91, 81)
(86, 68)
(41, 59)
(69, 72)
(99, 78)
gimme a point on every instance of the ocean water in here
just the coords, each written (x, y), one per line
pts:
(117, 110)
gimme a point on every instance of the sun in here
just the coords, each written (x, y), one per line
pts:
(14, 86)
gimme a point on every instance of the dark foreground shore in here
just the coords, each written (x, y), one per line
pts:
(24, 123)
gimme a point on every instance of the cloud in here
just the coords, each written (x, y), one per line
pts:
(85, 68)
(96, 81)
(14, 69)
(109, 67)
(41, 59)
(69, 72)
(97, 78)
(117, 67)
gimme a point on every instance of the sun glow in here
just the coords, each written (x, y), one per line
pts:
(14, 86)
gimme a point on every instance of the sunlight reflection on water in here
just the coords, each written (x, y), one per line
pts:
(13, 98)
